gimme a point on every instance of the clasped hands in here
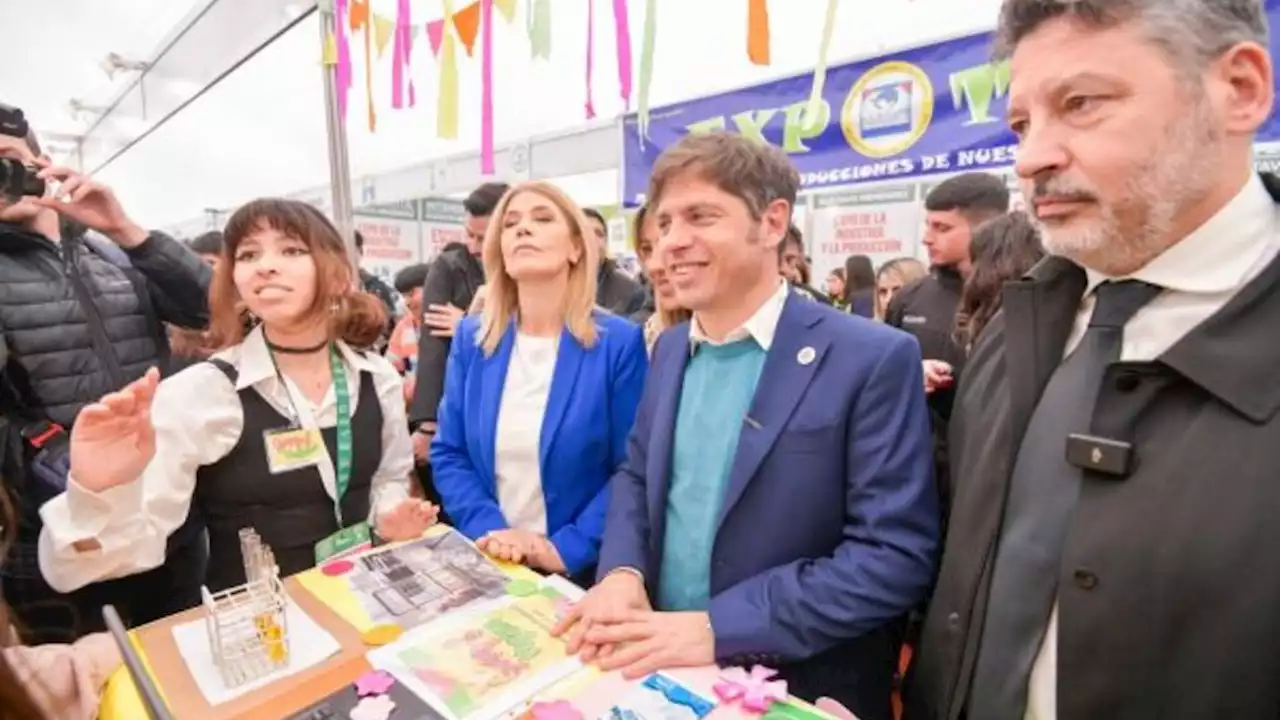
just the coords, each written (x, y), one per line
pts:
(615, 626)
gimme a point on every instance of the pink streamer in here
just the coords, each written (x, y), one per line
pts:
(754, 691)
(486, 87)
(591, 54)
(342, 73)
(400, 56)
(622, 27)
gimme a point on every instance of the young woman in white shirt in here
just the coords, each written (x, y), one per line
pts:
(254, 437)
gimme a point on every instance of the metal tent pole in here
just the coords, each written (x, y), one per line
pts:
(339, 167)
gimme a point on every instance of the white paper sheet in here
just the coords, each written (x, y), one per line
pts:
(309, 645)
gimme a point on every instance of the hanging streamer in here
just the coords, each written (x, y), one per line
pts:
(382, 30)
(358, 15)
(591, 54)
(622, 27)
(342, 74)
(400, 54)
(447, 100)
(539, 25)
(486, 87)
(646, 66)
(758, 31)
(435, 35)
(467, 22)
(507, 8)
(813, 111)
(360, 21)
(329, 55)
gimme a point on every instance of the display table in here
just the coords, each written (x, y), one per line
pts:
(591, 691)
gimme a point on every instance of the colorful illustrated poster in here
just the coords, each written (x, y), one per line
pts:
(486, 663)
(412, 584)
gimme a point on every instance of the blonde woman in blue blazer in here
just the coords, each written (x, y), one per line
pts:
(540, 393)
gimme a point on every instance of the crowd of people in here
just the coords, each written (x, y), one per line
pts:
(1045, 463)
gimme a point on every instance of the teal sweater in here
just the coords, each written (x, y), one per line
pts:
(719, 383)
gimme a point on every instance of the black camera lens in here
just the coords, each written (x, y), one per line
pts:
(17, 180)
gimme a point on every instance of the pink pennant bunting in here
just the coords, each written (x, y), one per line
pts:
(400, 56)
(342, 73)
(591, 54)
(435, 35)
(486, 87)
(623, 29)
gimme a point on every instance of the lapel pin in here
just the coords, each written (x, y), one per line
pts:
(806, 355)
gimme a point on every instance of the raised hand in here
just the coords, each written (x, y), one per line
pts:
(407, 521)
(113, 439)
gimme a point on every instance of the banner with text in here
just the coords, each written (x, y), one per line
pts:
(934, 109)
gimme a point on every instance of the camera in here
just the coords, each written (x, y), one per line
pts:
(17, 180)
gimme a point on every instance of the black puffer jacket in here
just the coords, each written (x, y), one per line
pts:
(77, 325)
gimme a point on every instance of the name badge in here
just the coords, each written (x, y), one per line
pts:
(346, 541)
(293, 449)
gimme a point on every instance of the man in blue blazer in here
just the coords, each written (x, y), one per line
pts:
(777, 505)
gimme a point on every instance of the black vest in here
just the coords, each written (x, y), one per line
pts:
(291, 510)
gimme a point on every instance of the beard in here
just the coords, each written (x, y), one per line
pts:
(1137, 224)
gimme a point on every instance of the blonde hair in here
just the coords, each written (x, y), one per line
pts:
(905, 270)
(502, 301)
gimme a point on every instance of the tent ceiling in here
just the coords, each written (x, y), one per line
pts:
(56, 55)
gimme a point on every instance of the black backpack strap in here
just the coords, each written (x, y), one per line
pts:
(227, 369)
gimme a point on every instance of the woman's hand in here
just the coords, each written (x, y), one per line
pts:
(523, 548)
(408, 520)
(113, 439)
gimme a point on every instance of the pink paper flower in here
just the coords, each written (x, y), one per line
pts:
(755, 691)
(377, 682)
(558, 710)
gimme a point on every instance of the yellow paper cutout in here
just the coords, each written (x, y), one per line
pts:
(329, 55)
(507, 8)
(382, 29)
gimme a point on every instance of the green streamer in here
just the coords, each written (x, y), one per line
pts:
(813, 113)
(646, 67)
(539, 27)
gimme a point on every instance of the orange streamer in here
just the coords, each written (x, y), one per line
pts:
(758, 31)
(359, 14)
(467, 22)
(359, 20)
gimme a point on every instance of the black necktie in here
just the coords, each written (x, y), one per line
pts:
(1042, 494)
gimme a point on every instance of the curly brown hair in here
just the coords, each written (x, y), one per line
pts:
(1002, 250)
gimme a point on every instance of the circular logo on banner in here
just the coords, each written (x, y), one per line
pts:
(888, 109)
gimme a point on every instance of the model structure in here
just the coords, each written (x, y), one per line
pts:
(247, 625)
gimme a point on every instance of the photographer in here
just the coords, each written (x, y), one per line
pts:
(81, 315)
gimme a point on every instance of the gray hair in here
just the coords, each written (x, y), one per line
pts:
(1192, 32)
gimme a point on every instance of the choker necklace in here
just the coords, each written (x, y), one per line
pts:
(295, 350)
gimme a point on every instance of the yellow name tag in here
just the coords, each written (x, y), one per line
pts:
(293, 449)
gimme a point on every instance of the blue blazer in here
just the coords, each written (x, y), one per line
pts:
(590, 409)
(830, 524)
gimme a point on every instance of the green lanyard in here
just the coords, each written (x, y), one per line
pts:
(343, 396)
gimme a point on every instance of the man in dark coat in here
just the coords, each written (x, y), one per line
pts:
(615, 291)
(1113, 541)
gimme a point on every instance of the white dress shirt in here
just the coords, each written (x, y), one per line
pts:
(518, 443)
(198, 419)
(1199, 275)
(762, 325)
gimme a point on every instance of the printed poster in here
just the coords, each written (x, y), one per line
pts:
(392, 238)
(882, 223)
(479, 666)
(443, 222)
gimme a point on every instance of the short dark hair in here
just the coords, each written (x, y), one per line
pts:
(411, 278)
(978, 196)
(756, 173)
(1197, 31)
(482, 200)
(594, 214)
(209, 243)
(359, 241)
